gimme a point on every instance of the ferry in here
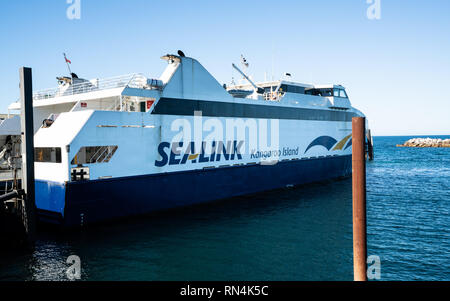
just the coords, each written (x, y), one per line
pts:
(130, 145)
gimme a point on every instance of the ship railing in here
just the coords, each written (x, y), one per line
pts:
(131, 80)
(103, 153)
(273, 96)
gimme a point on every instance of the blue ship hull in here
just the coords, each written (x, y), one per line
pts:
(80, 203)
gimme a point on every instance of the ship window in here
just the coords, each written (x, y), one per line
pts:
(314, 92)
(94, 154)
(47, 154)
(343, 94)
(268, 89)
(292, 89)
(326, 92)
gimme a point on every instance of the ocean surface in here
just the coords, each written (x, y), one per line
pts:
(303, 233)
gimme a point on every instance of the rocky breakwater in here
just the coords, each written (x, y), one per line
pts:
(425, 142)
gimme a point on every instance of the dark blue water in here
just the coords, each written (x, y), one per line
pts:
(409, 210)
(298, 234)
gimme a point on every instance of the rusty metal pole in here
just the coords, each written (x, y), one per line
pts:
(359, 199)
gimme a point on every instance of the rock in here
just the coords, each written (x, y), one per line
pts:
(425, 142)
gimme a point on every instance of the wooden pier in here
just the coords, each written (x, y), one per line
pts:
(17, 205)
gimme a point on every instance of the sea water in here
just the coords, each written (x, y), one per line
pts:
(303, 233)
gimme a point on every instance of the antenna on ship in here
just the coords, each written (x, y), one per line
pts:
(244, 64)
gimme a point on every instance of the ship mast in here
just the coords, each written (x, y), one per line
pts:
(256, 88)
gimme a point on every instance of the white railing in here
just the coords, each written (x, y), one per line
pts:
(131, 80)
(273, 96)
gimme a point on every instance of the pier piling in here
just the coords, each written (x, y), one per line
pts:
(26, 101)
(359, 199)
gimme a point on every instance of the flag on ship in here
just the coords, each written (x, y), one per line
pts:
(67, 60)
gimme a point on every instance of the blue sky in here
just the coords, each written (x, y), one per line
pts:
(396, 69)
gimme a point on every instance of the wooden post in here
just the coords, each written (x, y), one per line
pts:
(359, 199)
(26, 117)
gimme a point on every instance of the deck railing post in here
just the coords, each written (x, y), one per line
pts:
(359, 199)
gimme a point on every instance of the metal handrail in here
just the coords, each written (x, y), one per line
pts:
(131, 80)
(103, 153)
(273, 96)
(101, 150)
